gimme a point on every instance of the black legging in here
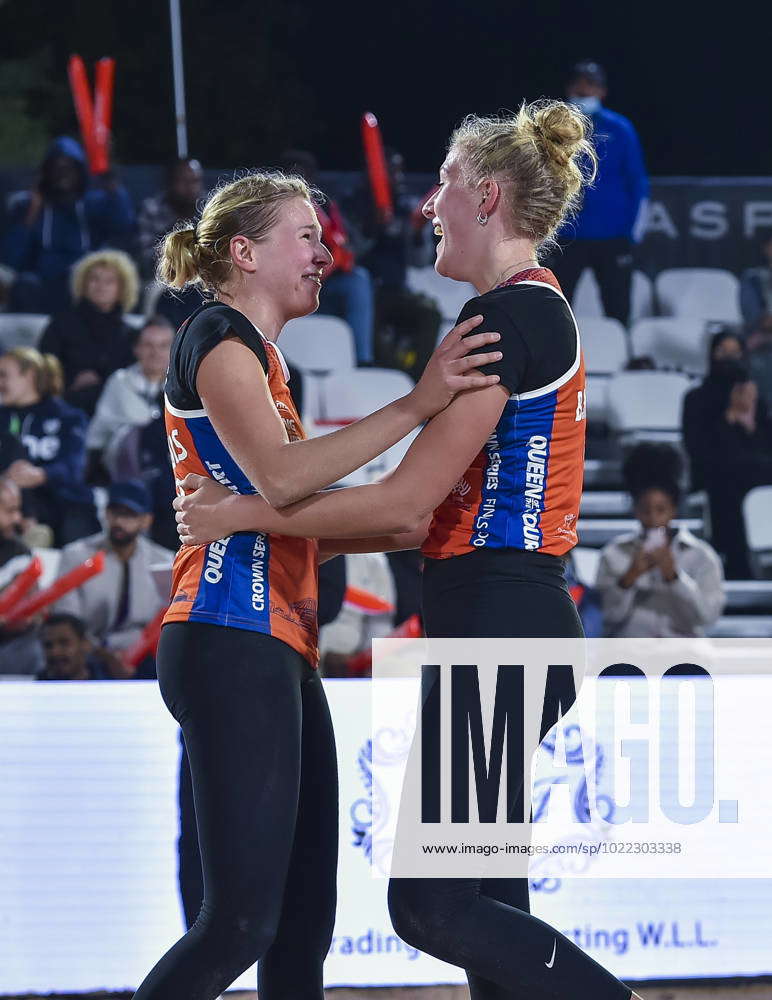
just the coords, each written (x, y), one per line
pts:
(484, 925)
(262, 757)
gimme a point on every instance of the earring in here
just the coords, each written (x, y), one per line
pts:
(482, 218)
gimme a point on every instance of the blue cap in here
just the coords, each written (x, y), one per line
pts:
(132, 494)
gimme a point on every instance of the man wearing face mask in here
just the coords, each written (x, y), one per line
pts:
(601, 236)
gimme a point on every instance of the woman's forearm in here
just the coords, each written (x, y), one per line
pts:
(330, 547)
(373, 510)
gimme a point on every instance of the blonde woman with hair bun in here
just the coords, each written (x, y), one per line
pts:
(490, 491)
(238, 654)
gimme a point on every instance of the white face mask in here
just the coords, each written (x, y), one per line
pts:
(589, 105)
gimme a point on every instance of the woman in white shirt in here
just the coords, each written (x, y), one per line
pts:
(660, 580)
(132, 396)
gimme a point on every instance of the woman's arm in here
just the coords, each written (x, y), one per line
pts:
(331, 547)
(235, 393)
(401, 503)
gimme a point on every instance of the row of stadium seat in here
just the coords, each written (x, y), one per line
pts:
(695, 292)
(671, 342)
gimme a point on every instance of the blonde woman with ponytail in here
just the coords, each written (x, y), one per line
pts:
(238, 652)
(53, 435)
(490, 490)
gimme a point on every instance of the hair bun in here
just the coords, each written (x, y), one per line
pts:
(563, 130)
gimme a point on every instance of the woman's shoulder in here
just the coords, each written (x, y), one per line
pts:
(213, 317)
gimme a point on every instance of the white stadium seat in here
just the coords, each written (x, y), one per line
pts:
(757, 508)
(604, 344)
(673, 342)
(451, 296)
(587, 300)
(646, 405)
(319, 344)
(641, 296)
(704, 292)
(349, 396)
(21, 329)
(586, 562)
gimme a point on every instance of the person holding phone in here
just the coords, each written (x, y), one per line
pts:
(659, 580)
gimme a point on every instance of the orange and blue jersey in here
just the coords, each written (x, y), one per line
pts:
(249, 580)
(523, 489)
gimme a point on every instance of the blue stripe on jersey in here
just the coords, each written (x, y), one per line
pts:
(497, 489)
(234, 582)
(531, 433)
(212, 453)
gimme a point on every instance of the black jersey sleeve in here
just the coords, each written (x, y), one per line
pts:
(513, 366)
(204, 331)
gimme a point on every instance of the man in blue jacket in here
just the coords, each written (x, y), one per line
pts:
(56, 223)
(601, 236)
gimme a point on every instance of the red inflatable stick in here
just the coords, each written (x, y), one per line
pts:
(104, 84)
(377, 170)
(21, 586)
(147, 643)
(84, 108)
(32, 605)
(363, 600)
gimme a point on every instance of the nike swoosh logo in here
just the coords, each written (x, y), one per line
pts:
(552, 960)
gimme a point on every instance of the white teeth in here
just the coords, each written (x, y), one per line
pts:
(438, 229)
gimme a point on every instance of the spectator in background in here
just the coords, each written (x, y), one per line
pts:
(91, 337)
(57, 222)
(347, 289)
(53, 434)
(759, 346)
(20, 650)
(601, 236)
(178, 202)
(70, 655)
(728, 438)
(118, 603)
(756, 289)
(132, 396)
(659, 581)
(407, 323)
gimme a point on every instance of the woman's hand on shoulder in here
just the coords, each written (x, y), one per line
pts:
(205, 513)
(452, 369)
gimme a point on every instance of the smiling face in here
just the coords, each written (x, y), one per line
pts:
(453, 211)
(287, 266)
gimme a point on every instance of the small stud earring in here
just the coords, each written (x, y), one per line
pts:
(482, 218)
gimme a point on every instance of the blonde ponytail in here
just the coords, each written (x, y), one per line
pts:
(177, 265)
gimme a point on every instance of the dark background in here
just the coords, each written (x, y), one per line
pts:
(261, 76)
